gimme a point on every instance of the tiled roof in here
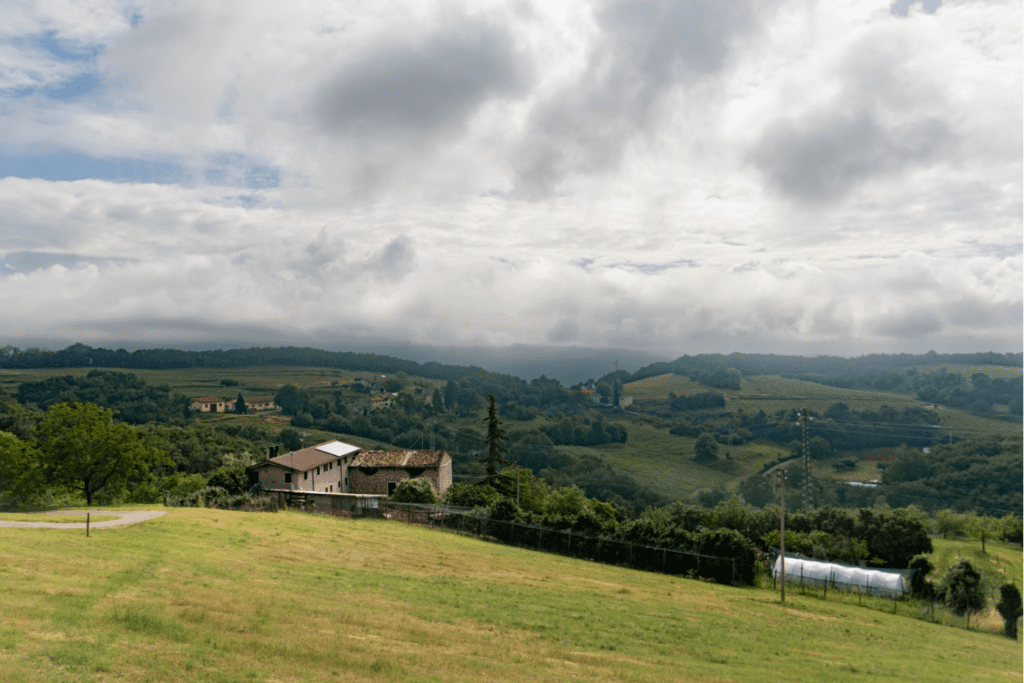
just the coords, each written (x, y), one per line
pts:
(302, 460)
(399, 459)
(260, 399)
(208, 399)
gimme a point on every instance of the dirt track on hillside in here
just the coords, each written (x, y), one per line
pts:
(126, 518)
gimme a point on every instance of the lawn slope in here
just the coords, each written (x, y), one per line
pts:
(228, 596)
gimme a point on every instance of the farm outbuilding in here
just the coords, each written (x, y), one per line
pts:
(886, 583)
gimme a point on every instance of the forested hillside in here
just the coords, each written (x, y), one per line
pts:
(699, 442)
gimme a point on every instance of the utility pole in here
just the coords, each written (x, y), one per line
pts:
(431, 434)
(782, 529)
(808, 491)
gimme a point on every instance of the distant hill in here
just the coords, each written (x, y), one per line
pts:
(568, 365)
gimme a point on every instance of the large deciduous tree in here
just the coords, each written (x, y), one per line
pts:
(495, 441)
(83, 449)
(20, 470)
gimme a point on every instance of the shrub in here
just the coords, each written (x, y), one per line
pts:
(467, 495)
(1009, 607)
(733, 557)
(418, 490)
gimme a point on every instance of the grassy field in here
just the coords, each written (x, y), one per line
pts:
(55, 519)
(664, 462)
(210, 595)
(1000, 563)
(771, 394)
(992, 371)
(207, 382)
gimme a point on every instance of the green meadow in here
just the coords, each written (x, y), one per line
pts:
(209, 595)
(55, 519)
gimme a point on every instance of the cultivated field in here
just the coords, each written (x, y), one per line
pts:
(210, 595)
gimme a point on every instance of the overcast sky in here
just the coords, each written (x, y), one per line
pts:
(837, 177)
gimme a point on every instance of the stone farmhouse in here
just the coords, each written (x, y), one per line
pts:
(341, 469)
(380, 471)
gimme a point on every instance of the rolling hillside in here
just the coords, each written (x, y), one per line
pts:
(211, 595)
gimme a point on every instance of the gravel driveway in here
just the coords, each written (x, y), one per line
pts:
(126, 518)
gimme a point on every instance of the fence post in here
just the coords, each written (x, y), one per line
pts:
(87, 515)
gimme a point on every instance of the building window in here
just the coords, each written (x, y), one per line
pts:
(288, 477)
(305, 475)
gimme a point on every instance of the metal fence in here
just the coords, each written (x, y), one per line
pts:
(565, 542)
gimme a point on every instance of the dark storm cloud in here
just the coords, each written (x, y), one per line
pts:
(423, 85)
(820, 158)
(645, 49)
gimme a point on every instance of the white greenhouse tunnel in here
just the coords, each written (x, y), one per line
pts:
(879, 582)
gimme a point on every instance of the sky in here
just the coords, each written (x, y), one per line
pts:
(782, 176)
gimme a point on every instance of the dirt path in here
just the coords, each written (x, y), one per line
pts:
(126, 518)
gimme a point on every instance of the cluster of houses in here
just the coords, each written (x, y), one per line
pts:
(214, 404)
(341, 476)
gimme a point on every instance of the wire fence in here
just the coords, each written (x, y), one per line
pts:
(725, 570)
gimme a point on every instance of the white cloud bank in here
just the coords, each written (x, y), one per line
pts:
(672, 176)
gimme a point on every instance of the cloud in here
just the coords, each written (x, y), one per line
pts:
(675, 176)
(643, 52)
(422, 86)
(824, 156)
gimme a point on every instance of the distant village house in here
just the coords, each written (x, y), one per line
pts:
(213, 404)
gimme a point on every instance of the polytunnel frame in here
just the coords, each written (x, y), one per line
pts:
(809, 572)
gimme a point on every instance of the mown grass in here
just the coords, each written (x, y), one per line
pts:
(210, 595)
(771, 394)
(1000, 563)
(55, 519)
(992, 371)
(664, 462)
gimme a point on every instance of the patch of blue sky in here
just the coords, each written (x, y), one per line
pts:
(239, 170)
(73, 89)
(67, 165)
(231, 170)
(656, 267)
(28, 261)
(64, 50)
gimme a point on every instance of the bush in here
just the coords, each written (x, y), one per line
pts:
(919, 586)
(1009, 607)
(211, 496)
(733, 557)
(418, 490)
(467, 495)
